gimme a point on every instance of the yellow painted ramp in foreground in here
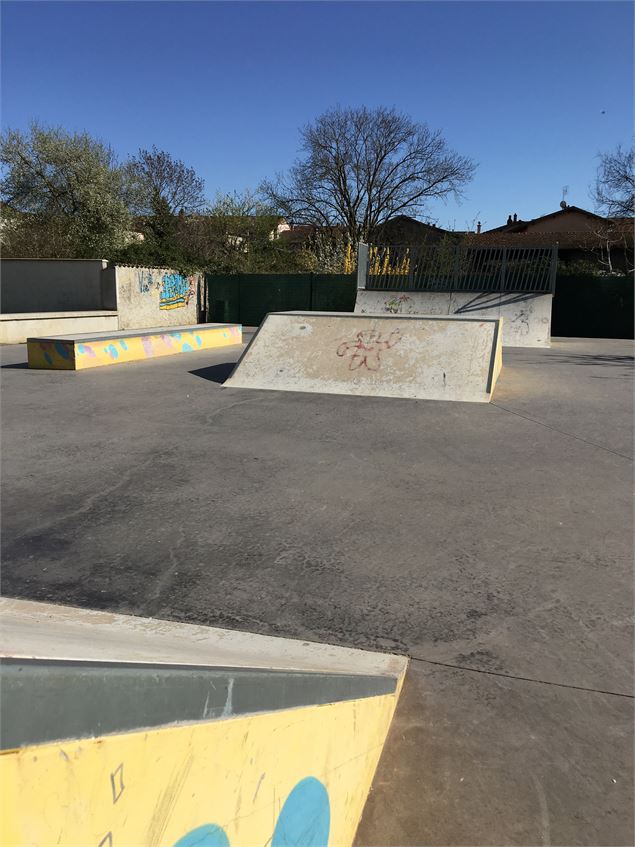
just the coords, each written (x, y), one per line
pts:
(247, 768)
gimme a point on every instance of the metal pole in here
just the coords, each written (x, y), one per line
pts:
(554, 268)
(362, 265)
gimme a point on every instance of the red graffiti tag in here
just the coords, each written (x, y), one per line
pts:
(365, 349)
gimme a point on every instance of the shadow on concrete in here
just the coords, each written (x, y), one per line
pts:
(215, 373)
(590, 359)
(16, 365)
(586, 359)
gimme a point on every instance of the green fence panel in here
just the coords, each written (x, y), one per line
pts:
(334, 292)
(593, 307)
(262, 293)
(247, 298)
(223, 298)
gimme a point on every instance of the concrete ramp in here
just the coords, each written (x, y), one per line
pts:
(129, 731)
(419, 357)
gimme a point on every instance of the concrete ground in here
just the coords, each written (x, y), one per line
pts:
(491, 543)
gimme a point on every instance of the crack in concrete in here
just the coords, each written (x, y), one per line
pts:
(454, 667)
(563, 432)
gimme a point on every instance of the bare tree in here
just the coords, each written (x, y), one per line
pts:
(614, 189)
(613, 248)
(360, 167)
(161, 176)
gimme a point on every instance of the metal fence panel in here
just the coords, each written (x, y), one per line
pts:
(443, 267)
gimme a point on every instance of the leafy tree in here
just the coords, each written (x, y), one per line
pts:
(63, 193)
(332, 251)
(361, 166)
(614, 189)
(238, 233)
(159, 175)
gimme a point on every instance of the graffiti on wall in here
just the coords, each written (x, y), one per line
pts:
(364, 351)
(145, 281)
(176, 291)
(395, 305)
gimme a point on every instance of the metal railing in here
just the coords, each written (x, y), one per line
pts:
(461, 268)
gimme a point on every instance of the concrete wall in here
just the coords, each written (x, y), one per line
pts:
(149, 297)
(51, 285)
(527, 321)
(143, 297)
(16, 328)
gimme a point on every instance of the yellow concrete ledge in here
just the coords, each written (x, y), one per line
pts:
(93, 350)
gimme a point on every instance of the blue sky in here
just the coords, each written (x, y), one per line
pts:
(531, 91)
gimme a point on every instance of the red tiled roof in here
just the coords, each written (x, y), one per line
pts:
(618, 233)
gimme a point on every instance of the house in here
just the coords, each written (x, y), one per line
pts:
(581, 236)
(402, 229)
(297, 235)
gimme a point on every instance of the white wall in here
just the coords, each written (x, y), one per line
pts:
(148, 297)
(527, 322)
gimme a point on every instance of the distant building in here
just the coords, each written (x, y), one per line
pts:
(402, 229)
(580, 235)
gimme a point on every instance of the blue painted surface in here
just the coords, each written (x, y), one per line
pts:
(62, 350)
(305, 819)
(208, 835)
(186, 348)
(48, 358)
(198, 340)
(112, 351)
(123, 345)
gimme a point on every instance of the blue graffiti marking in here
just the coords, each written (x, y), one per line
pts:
(198, 340)
(112, 351)
(186, 348)
(175, 292)
(62, 350)
(123, 345)
(208, 835)
(144, 281)
(48, 358)
(177, 335)
(305, 819)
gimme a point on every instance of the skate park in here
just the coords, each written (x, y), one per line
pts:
(488, 544)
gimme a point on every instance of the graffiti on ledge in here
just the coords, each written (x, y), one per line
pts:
(365, 349)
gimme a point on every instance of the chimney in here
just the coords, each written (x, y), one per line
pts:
(478, 227)
(509, 220)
